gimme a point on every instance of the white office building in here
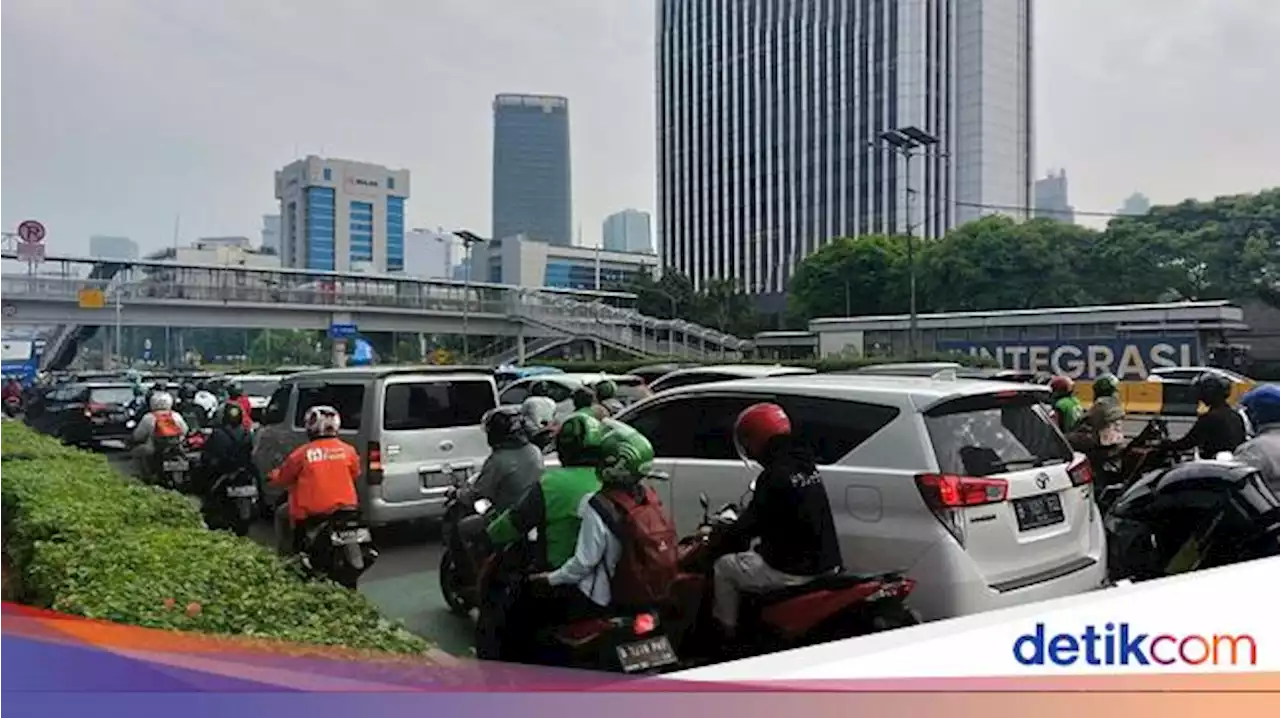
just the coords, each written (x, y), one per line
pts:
(343, 216)
(770, 115)
(271, 233)
(104, 247)
(527, 262)
(628, 231)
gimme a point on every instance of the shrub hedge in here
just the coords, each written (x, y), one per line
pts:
(85, 540)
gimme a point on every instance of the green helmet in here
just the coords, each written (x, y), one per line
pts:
(606, 390)
(1106, 385)
(626, 456)
(578, 440)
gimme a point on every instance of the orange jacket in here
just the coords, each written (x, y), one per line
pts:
(320, 477)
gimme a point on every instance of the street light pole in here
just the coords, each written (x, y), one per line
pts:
(468, 239)
(906, 141)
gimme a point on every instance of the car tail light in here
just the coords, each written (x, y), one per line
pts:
(947, 494)
(373, 476)
(1080, 472)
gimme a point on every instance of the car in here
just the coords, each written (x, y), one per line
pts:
(560, 387)
(83, 413)
(259, 388)
(1189, 374)
(721, 372)
(417, 430)
(652, 372)
(966, 485)
(504, 375)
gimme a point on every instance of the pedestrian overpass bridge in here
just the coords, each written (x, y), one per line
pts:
(79, 294)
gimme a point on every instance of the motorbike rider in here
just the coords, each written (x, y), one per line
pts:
(607, 393)
(235, 395)
(228, 449)
(1263, 450)
(540, 413)
(1067, 410)
(191, 412)
(1219, 429)
(12, 390)
(1106, 417)
(160, 429)
(586, 402)
(514, 465)
(789, 512)
(320, 477)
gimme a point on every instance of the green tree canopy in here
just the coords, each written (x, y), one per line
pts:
(848, 276)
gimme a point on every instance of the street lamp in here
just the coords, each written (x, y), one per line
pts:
(671, 335)
(468, 238)
(908, 142)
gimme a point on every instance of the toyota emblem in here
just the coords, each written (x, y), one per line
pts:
(1042, 481)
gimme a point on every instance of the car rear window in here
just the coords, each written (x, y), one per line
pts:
(412, 406)
(994, 433)
(259, 387)
(111, 395)
(348, 399)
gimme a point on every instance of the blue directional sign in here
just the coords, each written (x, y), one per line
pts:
(343, 331)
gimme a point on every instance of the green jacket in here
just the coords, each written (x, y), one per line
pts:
(1070, 412)
(551, 506)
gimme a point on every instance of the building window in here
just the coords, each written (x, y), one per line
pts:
(395, 234)
(391, 183)
(360, 227)
(328, 175)
(319, 228)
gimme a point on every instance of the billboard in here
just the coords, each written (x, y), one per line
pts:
(1127, 358)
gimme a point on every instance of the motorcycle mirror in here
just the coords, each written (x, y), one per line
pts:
(704, 501)
(752, 486)
(482, 506)
(1224, 456)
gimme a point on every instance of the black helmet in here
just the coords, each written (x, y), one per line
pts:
(583, 397)
(1212, 388)
(232, 415)
(187, 392)
(505, 425)
(539, 388)
(233, 389)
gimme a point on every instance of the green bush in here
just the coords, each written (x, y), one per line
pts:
(87, 541)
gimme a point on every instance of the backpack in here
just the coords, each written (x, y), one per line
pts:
(649, 561)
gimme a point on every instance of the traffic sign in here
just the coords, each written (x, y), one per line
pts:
(92, 298)
(31, 241)
(343, 331)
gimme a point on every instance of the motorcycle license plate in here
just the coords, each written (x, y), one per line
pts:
(350, 536)
(1038, 511)
(242, 492)
(643, 655)
(176, 465)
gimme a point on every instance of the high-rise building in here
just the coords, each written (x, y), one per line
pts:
(271, 233)
(104, 247)
(1137, 203)
(531, 175)
(341, 216)
(1051, 198)
(770, 111)
(628, 231)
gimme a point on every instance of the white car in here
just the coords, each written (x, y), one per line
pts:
(1191, 373)
(258, 388)
(964, 484)
(721, 372)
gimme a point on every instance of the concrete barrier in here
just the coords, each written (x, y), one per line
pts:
(1159, 398)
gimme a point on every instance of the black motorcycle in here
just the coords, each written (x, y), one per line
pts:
(460, 561)
(170, 466)
(339, 546)
(1195, 515)
(230, 502)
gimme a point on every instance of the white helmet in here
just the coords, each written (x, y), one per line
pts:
(161, 401)
(539, 411)
(322, 421)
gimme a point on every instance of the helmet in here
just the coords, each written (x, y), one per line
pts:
(202, 386)
(578, 440)
(187, 392)
(1061, 385)
(1263, 405)
(1212, 388)
(606, 390)
(504, 425)
(322, 421)
(233, 390)
(1106, 385)
(758, 425)
(161, 401)
(232, 415)
(539, 388)
(583, 397)
(626, 456)
(539, 411)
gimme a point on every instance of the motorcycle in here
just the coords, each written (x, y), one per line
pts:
(459, 565)
(339, 547)
(13, 406)
(1197, 514)
(1124, 465)
(230, 502)
(174, 468)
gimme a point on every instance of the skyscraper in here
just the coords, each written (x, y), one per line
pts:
(1136, 204)
(628, 231)
(531, 175)
(343, 216)
(1051, 198)
(770, 112)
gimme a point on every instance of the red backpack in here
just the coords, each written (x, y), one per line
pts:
(649, 561)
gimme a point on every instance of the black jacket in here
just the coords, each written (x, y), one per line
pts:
(1219, 429)
(228, 449)
(791, 515)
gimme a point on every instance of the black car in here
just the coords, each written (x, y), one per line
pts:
(83, 413)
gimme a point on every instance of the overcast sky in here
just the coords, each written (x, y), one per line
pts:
(119, 115)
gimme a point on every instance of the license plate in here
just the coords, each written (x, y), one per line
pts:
(350, 536)
(242, 492)
(1038, 511)
(643, 655)
(176, 465)
(98, 419)
(434, 479)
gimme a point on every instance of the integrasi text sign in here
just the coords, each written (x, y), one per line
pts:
(1126, 358)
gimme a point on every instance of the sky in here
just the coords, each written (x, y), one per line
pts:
(139, 117)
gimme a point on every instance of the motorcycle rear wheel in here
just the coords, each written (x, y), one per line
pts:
(458, 603)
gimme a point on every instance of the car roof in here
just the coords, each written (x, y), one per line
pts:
(579, 378)
(921, 392)
(383, 372)
(743, 370)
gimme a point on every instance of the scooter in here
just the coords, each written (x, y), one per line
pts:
(339, 547)
(1127, 464)
(230, 502)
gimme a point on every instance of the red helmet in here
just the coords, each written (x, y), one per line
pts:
(756, 426)
(1061, 385)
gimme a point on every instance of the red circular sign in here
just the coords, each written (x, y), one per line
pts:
(31, 232)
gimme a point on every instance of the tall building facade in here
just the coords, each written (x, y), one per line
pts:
(271, 233)
(531, 173)
(770, 114)
(344, 216)
(1051, 198)
(628, 231)
(1136, 204)
(104, 247)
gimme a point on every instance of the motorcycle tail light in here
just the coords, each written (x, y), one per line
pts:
(645, 623)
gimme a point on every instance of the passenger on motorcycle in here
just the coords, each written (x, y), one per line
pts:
(1067, 411)
(1220, 428)
(236, 396)
(12, 389)
(540, 413)
(514, 464)
(607, 393)
(1263, 450)
(161, 428)
(789, 513)
(195, 417)
(584, 402)
(1106, 416)
(320, 477)
(229, 449)
(206, 400)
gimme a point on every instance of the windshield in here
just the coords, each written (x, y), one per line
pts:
(992, 434)
(119, 395)
(259, 387)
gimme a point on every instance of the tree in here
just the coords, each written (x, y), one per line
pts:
(852, 277)
(722, 306)
(285, 346)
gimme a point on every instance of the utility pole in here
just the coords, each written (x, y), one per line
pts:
(909, 141)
